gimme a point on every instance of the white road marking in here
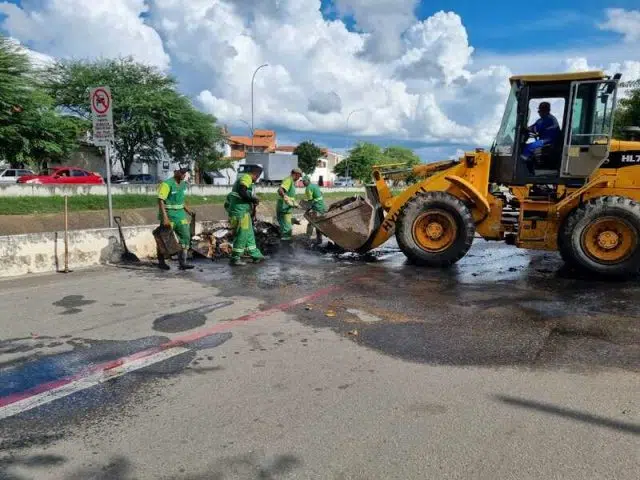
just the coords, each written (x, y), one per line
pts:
(89, 381)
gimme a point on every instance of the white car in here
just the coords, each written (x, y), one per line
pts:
(11, 175)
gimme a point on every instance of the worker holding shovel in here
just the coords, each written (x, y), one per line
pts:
(286, 204)
(240, 206)
(174, 213)
(315, 202)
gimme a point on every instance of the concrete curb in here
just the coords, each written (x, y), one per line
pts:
(44, 252)
(22, 190)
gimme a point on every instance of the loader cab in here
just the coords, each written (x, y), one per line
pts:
(583, 103)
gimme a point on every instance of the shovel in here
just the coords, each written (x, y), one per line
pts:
(127, 255)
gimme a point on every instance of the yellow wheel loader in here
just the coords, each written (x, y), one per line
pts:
(579, 195)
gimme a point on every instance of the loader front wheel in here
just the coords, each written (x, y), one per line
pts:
(603, 236)
(435, 229)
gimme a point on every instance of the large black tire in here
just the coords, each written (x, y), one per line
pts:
(563, 248)
(603, 237)
(440, 204)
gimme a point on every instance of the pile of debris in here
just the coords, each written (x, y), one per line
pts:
(217, 242)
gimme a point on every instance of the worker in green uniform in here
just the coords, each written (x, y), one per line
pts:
(286, 204)
(240, 206)
(313, 195)
(174, 213)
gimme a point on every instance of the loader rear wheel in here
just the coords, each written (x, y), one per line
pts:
(603, 237)
(435, 229)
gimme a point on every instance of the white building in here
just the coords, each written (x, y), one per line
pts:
(323, 174)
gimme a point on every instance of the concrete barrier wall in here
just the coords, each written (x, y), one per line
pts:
(44, 252)
(20, 190)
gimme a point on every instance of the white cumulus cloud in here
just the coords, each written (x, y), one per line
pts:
(85, 28)
(625, 22)
(383, 21)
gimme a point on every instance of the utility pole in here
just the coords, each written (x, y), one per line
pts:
(252, 80)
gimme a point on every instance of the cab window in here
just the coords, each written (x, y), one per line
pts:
(557, 109)
(507, 133)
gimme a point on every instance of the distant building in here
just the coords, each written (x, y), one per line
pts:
(263, 141)
(286, 149)
(323, 174)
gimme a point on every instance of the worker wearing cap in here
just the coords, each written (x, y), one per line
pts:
(286, 204)
(547, 129)
(174, 213)
(313, 195)
(240, 206)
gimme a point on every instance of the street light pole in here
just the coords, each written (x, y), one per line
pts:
(248, 126)
(348, 118)
(252, 80)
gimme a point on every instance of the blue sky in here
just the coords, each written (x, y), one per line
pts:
(508, 26)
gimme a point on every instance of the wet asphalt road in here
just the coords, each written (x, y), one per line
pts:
(504, 366)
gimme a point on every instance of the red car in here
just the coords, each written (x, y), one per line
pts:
(63, 175)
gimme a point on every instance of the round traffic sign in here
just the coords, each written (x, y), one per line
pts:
(101, 101)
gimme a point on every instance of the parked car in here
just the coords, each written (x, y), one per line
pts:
(64, 175)
(140, 178)
(11, 175)
(344, 182)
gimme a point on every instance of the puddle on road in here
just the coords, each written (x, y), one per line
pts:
(72, 304)
(498, 306)
(187, 319)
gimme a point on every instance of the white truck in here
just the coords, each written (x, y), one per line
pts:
(275, 166)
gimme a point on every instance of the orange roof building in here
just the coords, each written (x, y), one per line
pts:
(263, 141)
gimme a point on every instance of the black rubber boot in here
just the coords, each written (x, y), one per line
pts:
(162, 263)
(183, 261)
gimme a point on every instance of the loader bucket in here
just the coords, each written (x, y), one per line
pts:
(349, 223)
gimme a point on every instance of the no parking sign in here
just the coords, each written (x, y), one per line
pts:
(101, 110)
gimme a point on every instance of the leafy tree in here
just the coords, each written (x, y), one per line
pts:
(15, 79)
(308, 154)
(365, 155)
(360, 161)
(31, 130)
(148, 112)
(628, 113)
(403, 155)
(39, 134)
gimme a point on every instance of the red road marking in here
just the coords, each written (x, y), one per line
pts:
(176, 342)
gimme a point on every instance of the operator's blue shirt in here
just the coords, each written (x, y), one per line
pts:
(547, 128)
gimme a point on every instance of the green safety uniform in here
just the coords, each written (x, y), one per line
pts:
(239, 211)
(314, 195)
(173, 194)
(284, 208)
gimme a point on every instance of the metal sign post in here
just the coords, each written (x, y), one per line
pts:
(102, 115)
(107, 160)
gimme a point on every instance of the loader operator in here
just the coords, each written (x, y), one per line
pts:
(240, 206)
(286, 204)
(313, 195)
(175, 214)
(546, 129)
